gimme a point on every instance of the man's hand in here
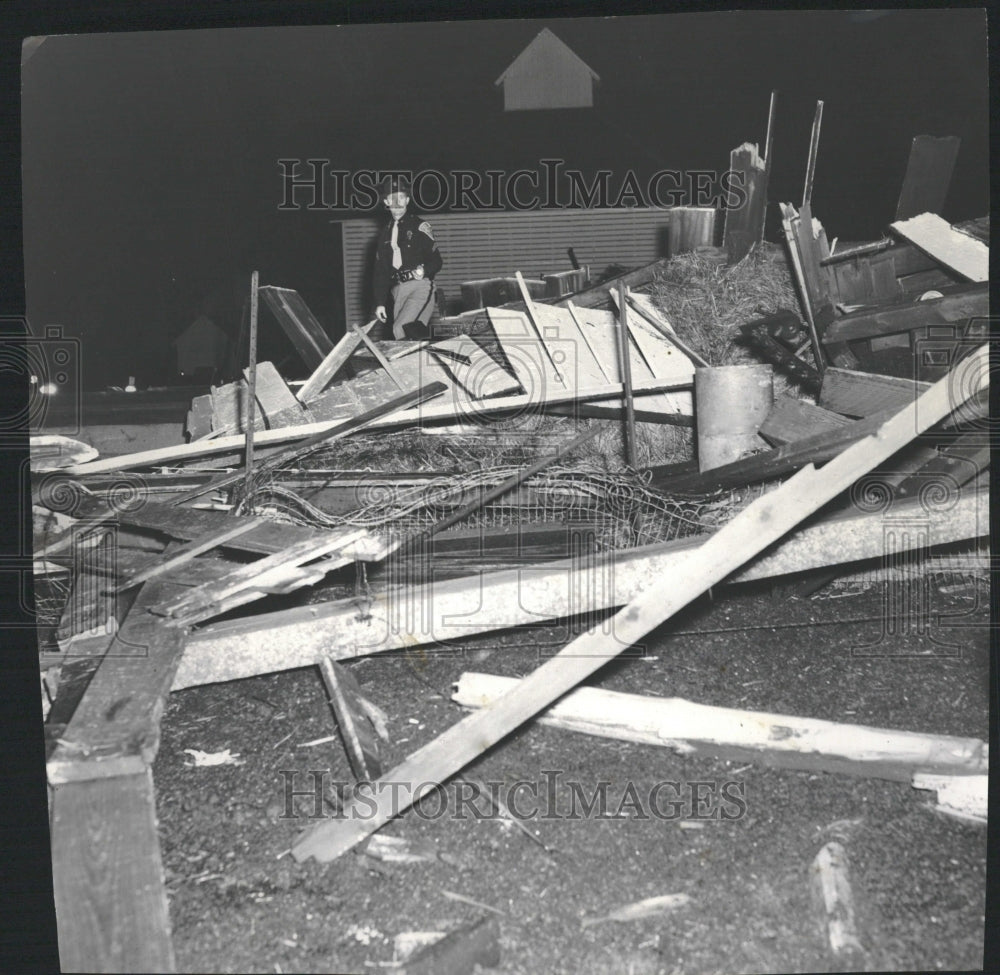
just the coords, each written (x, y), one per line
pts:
(418, 273)
(380, 313)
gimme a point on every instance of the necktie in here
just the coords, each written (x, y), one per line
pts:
(397, 257)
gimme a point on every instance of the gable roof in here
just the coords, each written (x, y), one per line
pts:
(546, 41)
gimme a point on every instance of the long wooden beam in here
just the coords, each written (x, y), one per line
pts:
(784, 740)
(460, 406)
(452, 609)
(755, 528)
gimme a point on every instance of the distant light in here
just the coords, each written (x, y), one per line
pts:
(48, 389)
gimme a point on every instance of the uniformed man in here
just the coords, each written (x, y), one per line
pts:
(405, 264)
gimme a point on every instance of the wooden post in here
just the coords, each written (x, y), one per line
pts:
(769, 138)
(626, 371)
(807, 190)
(251, 395)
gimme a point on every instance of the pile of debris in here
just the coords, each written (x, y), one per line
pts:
(871, 396)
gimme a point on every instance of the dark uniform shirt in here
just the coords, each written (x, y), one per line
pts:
(416, 245)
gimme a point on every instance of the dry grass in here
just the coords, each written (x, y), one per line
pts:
(707, 302)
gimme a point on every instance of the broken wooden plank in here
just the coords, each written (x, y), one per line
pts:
(299, 324)
(533, 319)
(744, 226)
(854, 393)
(270, 572)
(599, 330)
(834, 901)
(182, 554)
(782, 740)
(190, 524)
(751, 531)
(355, 728)
(231, 410)
(928, 175)
(457, 608)
(110, 899)
(793, 419)
(956, 308)
(199, 418)
(116, 728)
(327, 370)
(807, 274)
(597, 295)
(938, 239)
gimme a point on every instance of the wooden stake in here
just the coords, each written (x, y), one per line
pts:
(251, 394)
(807, 190)
(755, 528)
(626, 370)
(770, 131)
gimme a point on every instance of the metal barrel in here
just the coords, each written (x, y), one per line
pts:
(731, 402)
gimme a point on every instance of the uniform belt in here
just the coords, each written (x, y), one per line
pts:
(400, 275)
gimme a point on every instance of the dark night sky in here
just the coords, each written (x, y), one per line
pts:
(150, 159)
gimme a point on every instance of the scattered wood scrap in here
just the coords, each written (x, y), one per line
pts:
(835, 905)
(753, 529)
(360, 742)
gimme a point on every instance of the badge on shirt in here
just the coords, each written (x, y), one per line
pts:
(425, 228)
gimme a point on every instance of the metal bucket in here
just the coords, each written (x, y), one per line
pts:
(731, 402)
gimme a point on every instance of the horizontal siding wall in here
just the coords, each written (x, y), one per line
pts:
(496, 244)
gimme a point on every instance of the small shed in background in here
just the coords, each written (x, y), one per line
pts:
(545, 75)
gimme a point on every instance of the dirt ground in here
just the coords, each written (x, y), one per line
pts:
(238, 905)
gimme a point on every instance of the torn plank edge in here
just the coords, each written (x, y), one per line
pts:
(786, 740)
